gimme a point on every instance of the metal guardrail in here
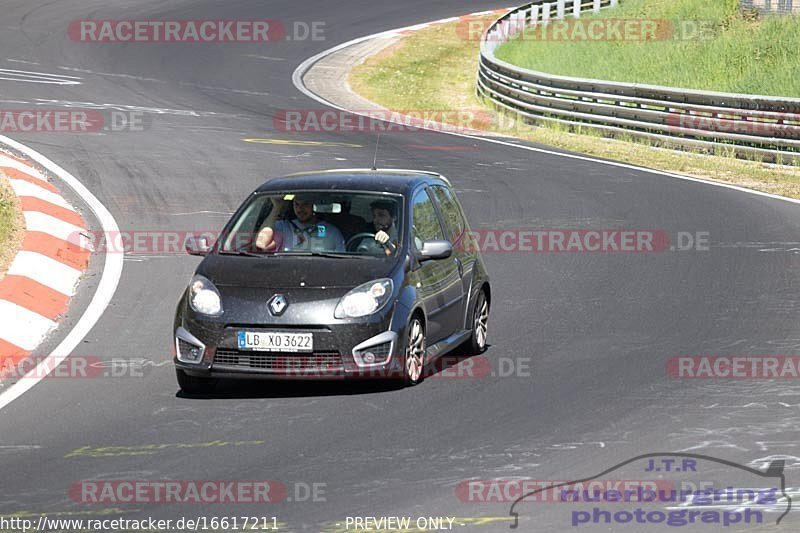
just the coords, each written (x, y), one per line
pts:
(748, 125)
(767, 7)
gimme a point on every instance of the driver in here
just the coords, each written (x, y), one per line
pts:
(304, 232)
(384, 218)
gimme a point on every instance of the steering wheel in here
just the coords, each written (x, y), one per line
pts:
(360, 236)
(357, 238)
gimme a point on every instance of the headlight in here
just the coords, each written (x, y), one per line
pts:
(204, 296)
(365, 299)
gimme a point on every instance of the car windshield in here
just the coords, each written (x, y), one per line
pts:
(317, 223)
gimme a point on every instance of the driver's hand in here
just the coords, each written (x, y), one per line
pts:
(266, 240)
(382, 237)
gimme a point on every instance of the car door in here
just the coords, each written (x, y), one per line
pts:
(439, 282)
(455, 227)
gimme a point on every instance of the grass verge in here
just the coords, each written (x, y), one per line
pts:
(12, 224)
(435, 69)
(696, 44)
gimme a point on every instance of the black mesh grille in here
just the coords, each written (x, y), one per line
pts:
(279, 362)
(381, 351)
(185, 349)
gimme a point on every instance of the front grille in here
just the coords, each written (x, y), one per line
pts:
(279, 362)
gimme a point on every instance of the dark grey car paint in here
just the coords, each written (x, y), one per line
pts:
(313, 286)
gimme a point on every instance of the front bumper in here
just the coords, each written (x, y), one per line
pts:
(340, 350)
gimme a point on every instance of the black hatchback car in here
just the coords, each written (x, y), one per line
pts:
(335, 274)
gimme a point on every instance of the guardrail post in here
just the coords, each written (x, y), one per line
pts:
(504, 33)
(534, 15)
(576, 8)
(560, 8)
(546, 13)
(596, 6)
(614, 3)
(521, 20)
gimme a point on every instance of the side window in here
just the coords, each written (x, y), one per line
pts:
(451, 213)
(426, 223)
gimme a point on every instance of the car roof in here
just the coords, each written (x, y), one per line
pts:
(394, 180)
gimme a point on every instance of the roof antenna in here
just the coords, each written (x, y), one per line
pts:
(375, 159)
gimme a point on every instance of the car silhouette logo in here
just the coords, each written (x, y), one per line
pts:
(775, 469)
(277, 304)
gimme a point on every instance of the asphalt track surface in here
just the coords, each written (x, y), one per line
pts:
(596, 328)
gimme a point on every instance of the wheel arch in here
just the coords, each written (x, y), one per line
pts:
(484, 286)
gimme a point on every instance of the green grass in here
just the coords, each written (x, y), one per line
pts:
(435, 69)
(397, 77)
(734, 52)
(11, 224)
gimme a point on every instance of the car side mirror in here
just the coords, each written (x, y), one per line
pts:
(435, 250)
(198, 245)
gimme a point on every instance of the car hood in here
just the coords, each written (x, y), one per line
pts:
(283, 272)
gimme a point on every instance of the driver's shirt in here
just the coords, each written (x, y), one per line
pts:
(320, 237)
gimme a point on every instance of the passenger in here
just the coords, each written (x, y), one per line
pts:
(305, 232)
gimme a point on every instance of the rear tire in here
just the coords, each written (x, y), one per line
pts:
(194, 385)
(480, 325)
(414, 360)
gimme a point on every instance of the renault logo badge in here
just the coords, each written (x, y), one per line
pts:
(277, 304)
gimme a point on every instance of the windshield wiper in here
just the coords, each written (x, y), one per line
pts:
(334, 255)
(242, 252)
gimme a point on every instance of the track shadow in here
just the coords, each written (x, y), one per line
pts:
(445, 367)
(271, 388)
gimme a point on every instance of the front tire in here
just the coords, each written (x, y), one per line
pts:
(414, 361)
(194, 385)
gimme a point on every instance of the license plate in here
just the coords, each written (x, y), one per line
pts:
(276, 341)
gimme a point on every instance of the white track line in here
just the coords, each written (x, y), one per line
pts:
(302, 68)
(28, 72)
(112, 271)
